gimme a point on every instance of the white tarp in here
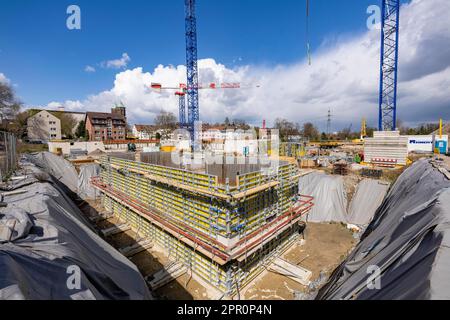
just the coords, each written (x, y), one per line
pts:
(407, 243)
(368, 197)
(85, 189)
(61, 169)
(48, 252)
(330, 199)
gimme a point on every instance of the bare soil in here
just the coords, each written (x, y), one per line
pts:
(327, 245)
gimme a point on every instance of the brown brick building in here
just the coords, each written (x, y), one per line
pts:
(107, 126)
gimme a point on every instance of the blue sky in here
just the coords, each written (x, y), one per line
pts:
(248, 41)
(46, 61)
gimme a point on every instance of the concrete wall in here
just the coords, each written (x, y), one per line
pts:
(67, 146)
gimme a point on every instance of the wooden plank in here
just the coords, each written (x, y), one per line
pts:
(173, 182)
(256, 190)
(136, 248)
(116, 230)
(99, 218)
(296, 273)
(166, 275)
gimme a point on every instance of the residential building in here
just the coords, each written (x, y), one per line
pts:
(44, 126)
(144, 132)
(107, 126)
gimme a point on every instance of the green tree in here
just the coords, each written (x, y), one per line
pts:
(68, 123)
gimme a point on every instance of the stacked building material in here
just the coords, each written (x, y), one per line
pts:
(340, 168)
(386, 148)
(371, 173)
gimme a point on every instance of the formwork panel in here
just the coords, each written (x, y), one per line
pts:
(246, 224)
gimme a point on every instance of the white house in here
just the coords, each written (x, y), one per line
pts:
(44, 126)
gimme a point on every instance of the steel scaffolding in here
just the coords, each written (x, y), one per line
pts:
(223, 233)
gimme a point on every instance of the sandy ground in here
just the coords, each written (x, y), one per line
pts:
(326, 246)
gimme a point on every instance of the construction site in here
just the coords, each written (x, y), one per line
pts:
(200, 214)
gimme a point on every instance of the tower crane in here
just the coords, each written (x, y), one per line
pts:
(390, 24)
(182, 89)
(191, 66)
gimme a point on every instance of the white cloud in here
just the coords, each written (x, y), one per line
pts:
(4, 79)
(89, 69)
(344, 76)
(117, 63)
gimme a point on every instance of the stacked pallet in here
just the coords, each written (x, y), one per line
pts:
(386, 148)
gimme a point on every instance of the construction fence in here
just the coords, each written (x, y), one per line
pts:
(8, 154)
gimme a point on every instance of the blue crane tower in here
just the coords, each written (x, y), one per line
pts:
(181, 107)
(389, 65)
(192, 67)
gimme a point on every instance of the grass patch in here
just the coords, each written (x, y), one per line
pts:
(32, 148)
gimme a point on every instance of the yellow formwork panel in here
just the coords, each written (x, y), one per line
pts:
(205, 268)
(207, 214)
(223, 278)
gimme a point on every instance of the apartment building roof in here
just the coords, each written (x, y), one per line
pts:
(104, 115)
(145, 127)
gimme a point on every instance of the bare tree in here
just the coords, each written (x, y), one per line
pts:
(310, 131)
(286, 128)
(166, 120)
(9, 105)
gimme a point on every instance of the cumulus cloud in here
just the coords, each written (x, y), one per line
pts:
(344, 76)
(89, 69)
(4, 79)
(117, 63)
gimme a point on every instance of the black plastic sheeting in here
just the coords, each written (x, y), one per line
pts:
(41, 261)
(408, 240)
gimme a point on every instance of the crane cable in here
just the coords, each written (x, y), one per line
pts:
(308, 46)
